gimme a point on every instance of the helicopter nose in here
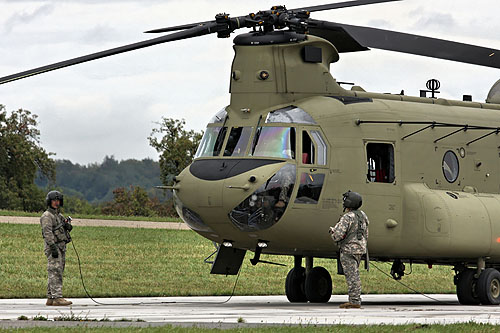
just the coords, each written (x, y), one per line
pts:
(213, 197)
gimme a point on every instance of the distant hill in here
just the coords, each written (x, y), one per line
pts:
(96, 182)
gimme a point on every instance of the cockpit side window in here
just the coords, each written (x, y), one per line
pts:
(308, 150)
(380, 161)
(238, 141)
(211, 142)
(274, 142)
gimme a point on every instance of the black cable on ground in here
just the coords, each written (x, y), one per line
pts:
(410, 288)
(147, 303)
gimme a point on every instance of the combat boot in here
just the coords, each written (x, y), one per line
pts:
(49, 301)
(61, 302)
(350, 306)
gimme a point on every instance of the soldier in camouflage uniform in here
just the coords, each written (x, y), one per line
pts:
(351, 235)
(55, 232)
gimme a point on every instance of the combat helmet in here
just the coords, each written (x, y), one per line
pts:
(54, 195)
(352, 200)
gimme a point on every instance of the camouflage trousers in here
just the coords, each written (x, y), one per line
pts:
(55, 270)
(350, 264)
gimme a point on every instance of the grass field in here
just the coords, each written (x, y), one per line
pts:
(476, 328)
(152, 262)
(94, 217)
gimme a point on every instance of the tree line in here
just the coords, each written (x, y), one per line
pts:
(125, 188)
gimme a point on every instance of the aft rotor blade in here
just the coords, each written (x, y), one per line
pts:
(339, 5)
(193, 32)
(355, 38)
(177, 27)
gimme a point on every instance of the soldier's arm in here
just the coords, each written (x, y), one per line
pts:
(47, 233)
(340, 229)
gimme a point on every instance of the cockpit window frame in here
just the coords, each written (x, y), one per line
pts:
(309, 130)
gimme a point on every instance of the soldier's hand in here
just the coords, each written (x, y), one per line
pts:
(68, 226)
(54, 251)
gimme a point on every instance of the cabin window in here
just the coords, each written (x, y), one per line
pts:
(274, 142)
(211, 142)
(310, 188)
(450, 166)
(380, 162)
(290, 114)
(238, 141)
(308, 150)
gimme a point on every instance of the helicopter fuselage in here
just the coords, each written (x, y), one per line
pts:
(274, 165)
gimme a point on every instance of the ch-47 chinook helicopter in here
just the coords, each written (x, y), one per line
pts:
(271, 167)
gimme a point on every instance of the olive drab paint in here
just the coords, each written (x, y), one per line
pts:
(416, 212)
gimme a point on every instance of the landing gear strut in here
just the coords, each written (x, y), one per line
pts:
(313, 284)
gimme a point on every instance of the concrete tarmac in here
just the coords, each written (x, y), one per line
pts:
(254, 310)
(100, 223)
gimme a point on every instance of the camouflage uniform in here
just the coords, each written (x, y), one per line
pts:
(345, 233)
(53, 232)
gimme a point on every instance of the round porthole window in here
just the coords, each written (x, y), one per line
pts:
(450, 166)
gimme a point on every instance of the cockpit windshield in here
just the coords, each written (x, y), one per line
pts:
(211, 143)
(274, 142)
(237, 142)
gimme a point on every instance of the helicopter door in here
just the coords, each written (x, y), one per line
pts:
(312, 169)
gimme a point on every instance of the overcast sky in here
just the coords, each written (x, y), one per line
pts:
(109, 106)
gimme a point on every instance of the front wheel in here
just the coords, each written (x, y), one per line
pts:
(488, 287)
(294, 285)
(318, 285)
(467, 288)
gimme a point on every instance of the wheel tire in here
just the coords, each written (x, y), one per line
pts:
(294, 285)
(467, 288)
(318, 285)
(488, 287)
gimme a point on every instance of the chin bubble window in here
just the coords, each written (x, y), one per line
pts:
(267, 204)
(450, 166)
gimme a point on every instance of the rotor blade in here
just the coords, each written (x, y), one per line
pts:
(339, 5)
(355, 38)
(193, 32)
(177, 27)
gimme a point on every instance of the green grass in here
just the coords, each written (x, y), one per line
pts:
(95, 217)
(338, 328)
(152, 262)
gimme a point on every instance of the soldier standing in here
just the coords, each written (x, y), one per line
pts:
(351, 235)
(55, 232)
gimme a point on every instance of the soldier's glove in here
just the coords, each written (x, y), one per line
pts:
(54, 251)
(68, 226)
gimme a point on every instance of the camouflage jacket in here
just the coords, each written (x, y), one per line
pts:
(346, 230)
(53, 231)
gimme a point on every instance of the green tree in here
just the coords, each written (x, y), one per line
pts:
(176, 146)
(21, 156)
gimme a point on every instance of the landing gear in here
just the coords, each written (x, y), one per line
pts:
(488, 287)
(294, 286)
(484, 290)
(467, 288)
(318, 285)
(311, 284)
